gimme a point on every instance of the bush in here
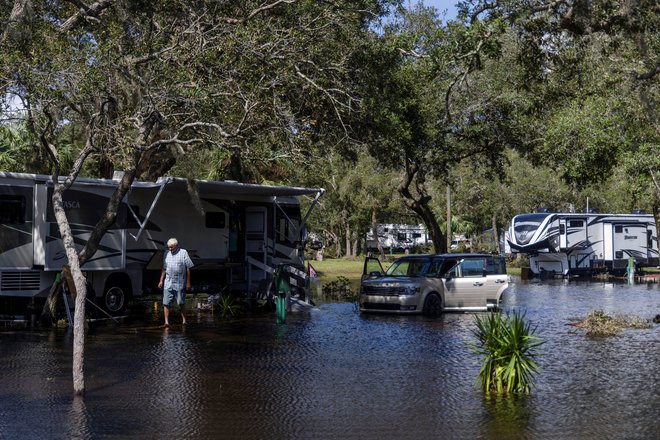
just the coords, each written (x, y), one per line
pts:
(508, 347)
(339, 290)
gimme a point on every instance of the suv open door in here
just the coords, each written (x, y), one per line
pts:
(372, 268)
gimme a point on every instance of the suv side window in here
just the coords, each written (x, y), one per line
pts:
(469, 268)
(434, 268)
(495, 266)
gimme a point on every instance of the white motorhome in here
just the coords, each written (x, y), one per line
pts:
(236, 234)
(584, 243)
(397, 237)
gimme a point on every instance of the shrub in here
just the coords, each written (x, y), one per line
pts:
(340, 289)
(508, 347)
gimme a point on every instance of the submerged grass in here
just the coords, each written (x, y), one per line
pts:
(599, 323)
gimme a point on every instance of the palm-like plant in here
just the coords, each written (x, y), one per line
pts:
(508, 347)
(227, 307)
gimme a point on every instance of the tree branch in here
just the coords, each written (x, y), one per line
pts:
(85, 13)
(255, 12)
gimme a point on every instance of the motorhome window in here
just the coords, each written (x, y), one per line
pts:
(401, 236)
(576, 223)
(216, 220)
(416, 235)
(131, 222)
(282, 229)
(12, 210)
(288, 219)
(618, 229)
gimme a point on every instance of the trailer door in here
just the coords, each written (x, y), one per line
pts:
(255, 238)
(576, 233)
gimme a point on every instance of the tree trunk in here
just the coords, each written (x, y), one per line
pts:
(335, 240)
(81, 290)
(348, 238)
(374, 229)
(420, 204)
(495, 236)
(49, 311)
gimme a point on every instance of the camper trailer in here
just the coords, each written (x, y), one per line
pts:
(237, 235)
(397, 237)
(584, 243)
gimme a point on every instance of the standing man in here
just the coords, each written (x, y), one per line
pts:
(176, 276)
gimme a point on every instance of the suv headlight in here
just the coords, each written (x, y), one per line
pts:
(410, 290)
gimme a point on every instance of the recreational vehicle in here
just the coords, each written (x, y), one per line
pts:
(236, 234)
(397, 237)
(584, 243)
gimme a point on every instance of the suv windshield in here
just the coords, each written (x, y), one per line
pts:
(409, 267)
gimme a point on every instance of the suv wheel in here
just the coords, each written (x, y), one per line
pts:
(432, 305)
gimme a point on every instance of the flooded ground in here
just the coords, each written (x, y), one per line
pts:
(337, 374)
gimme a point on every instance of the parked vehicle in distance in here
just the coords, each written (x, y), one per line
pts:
(432, 284)
(584, 243)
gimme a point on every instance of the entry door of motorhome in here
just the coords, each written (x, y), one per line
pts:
(255, 238)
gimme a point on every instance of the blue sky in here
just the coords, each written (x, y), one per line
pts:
(441, 5)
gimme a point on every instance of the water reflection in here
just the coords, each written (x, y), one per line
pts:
(336, 374)
(77, 420)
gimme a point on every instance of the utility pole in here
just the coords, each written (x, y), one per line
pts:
(448, 218)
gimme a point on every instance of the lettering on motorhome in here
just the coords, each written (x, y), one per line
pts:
(630, 237)
(71, 204)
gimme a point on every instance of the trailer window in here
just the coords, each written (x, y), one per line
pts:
(131, 222)
(576, 223)
(12, 210)
(216, 220)
(288, 222)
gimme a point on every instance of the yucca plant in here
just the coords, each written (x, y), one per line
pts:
(508, 347)
(227, 307)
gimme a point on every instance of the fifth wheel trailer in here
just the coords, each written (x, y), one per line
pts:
(584, 243)
(236, 234)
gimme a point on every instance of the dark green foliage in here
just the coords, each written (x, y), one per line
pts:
(340, 289)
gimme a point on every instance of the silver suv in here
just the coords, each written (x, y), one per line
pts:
(431, 284)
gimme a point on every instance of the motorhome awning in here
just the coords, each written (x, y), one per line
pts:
(229, 187)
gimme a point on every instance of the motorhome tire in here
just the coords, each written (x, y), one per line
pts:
(115, 299)
(432, 305)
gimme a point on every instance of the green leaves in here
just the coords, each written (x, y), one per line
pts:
(508, 347)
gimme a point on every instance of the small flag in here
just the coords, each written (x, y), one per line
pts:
(311, 271)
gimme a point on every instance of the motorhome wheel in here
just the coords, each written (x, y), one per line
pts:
(115, 299)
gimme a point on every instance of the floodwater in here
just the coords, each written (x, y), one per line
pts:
(337, 374)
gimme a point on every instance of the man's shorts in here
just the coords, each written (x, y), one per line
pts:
(170, 294)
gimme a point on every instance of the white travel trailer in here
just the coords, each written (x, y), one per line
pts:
(584, 243)
(236, 234)
(397, 237)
